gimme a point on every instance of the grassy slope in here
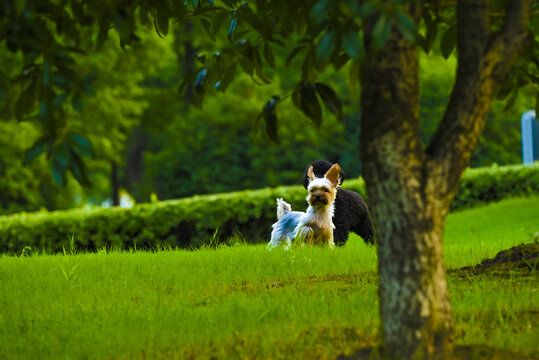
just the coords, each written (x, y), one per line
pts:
(246, 302)
(476, 234)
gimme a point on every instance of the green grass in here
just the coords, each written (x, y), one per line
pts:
(246, 302)
(473, 235)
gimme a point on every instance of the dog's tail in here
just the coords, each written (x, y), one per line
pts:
(282, 208)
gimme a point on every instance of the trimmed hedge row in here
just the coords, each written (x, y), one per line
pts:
(483, 185)
(192, 221)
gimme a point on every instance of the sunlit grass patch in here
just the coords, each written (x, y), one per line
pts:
(246, 302)
(479, 233)
(135, 303)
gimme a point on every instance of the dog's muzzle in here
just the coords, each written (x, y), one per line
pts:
(318, 199)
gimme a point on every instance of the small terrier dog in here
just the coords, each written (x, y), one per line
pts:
(351, 211)
(314, 227)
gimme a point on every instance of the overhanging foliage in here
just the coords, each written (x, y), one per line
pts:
(53, 35)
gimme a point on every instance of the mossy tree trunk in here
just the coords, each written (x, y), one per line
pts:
(410, 187)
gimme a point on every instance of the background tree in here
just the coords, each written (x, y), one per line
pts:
(120, 97)
(30, 187)
(410, 187)
(185, 153)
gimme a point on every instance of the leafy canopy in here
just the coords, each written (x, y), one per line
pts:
(53, 35)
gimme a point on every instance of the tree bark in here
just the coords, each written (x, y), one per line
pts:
(410, 188)
(485, 58)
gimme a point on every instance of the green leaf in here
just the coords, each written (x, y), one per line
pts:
(75, 166)
(231, 29)
(162, 18)
(201, 79)
(271, 127)
(449, 41)
(25, 102)
(59, 100)
(309, 103)
(199, 86)
(247, 65)
(352, 44)
(330, 98)
(78, 169)
(339, 60)
(270, 117)
(431, 32)
(380, 32)
(277, 41)
(103, 33)
(307, 68)
(293, 54)
(47, 70)
(87, 84)
(268, 55)
(406, 26)
(76, 102)
(60, 162)
(512, 99)
(505, 88)
(77, 9)
(257, 62)
(58, 172)
(201, 58)
(37, 149)
(228, 76)
(325, 48)
(219, 19)
(208, 28)
(296, 98)
(187, 80)
(423, 43)
(320, 10)
(81, 145)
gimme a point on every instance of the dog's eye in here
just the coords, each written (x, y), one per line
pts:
(326, 190)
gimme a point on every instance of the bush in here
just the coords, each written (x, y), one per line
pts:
(192, 221)
(483, 185)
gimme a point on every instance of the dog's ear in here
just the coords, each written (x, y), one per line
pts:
(333, 175)
(310, 173)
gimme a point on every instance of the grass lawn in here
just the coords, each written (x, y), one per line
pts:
(245, 302)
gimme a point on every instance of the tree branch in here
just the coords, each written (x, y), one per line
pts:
(485, 58)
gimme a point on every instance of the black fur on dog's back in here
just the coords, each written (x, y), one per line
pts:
(351, 211)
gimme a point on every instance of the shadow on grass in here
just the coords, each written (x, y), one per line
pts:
(462, 352)
(519, 260)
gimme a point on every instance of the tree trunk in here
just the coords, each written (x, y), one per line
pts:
(410, 188)
(186, 55)
(115, 184)
(415, 307)
(134, 167)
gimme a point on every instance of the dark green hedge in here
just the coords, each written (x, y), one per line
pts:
(192, 221)
(483, 185)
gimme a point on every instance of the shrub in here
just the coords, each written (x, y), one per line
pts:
(191, 221)
(483, 185)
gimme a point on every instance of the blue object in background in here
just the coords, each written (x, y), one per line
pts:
(530, 137)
